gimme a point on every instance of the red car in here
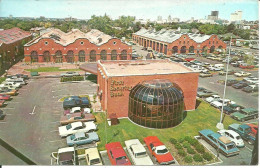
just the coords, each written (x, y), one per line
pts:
(254, 128)
(189, 59)
(247, 66)
(2, 102)
(116, 154)
(4, 97)
(159, 150)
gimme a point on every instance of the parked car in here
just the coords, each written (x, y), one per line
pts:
(222, 143)
(235, 107)
(5, 97)
(2, 114)
(8, 92)
(6, 87)
(69, 74)
(206, 74)
(15, 85)
(246, 66)
(82, 138)
(242, 73)
(66, 156)
(233, 136)
(70, 118)
(240, 85)
(250, 88)
(231, 82)
(76, 101)
(137, 152)
(213, 68)
(254, 128)
(245, 114)
(231, 72)
(251, 79)
(75, 127)
(205, 93)
(244, 131)
(200, 89)
(227, 110)
(212, 98)
(25, 77)
(159, 150)
(77, 110)
(116, 154)
(93, 157)
(17, 80)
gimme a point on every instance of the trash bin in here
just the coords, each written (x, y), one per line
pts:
(34, 74)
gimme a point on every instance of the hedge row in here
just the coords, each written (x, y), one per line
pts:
(73, 78)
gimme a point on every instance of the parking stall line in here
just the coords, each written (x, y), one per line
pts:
(9, 108)
(2, 122)
(56, 140)
(54, 131)
(249, 149)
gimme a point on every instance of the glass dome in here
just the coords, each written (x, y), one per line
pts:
(156, 104)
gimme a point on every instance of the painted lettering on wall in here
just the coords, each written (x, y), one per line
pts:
(117, 88)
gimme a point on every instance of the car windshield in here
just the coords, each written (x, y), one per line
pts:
(231, 146)
(238, 137)
(72, 137)
(247, 130)
(141, 154)
(68, 126)
(121, 160)
(162, 151)
(94, 161)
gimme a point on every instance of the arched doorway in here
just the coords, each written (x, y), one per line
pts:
(70, 56)
(204, 49)
(124, 55)
(191, 49)
(46, 56)
(103, 55)
(183, 49)
(34, 56)
(58, 57)
(174, 49)
(92, 56)
(114, 55)
(212, 49)
(82, 57)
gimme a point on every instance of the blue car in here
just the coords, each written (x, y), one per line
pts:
(219, 142)
(82, 138)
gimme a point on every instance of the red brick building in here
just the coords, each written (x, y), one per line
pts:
(11, 46)
(116, 79)
(76, 46)
(170, 42)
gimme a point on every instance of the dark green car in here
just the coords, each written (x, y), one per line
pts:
(245, 114)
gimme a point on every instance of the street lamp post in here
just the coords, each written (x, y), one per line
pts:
(220, 124)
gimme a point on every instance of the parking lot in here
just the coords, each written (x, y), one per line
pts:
(31, 124)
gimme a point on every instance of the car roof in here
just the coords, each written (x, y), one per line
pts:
(224, 139)
(67, 149)
(116, 149)
(136, 145)
(76, 124)
(75, 108)
(79, 134)
(93, 153)
(230, 132)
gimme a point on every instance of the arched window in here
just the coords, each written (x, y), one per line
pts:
(92, 56)
(191, 49)
(212, 49)
(58, 57)
(204, 49)
(103, 55)
(220, 47)
(124, 55)
(70, 56)
(34, 56)
(82, 56)
(46, 56)
(183, 49)
(174, 49)
(114, 55)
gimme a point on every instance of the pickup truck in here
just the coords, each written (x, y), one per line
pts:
(245, 114)
(244, 131)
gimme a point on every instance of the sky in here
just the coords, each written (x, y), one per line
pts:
(142, 9)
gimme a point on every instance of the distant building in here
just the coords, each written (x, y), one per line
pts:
(76, 46)
(169, 19)
(170, 42)
(236, 16)
(175, 20)
(213, 16)
(11, 46)
(159, 18)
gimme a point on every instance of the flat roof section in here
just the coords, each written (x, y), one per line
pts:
(89, 67)
(142, 67)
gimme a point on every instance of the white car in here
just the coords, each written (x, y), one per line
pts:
(18, 85)
(79, 109)
(17, 80)
(213, 68)
(8, 87)
(75, 127)
(137, 152)
(233, 136)
(212, 98)
(65, 156)
(93, 157)
(242, 73)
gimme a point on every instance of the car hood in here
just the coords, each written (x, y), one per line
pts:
(62, 130)
(93, 136)
(238, 115)
(165, 157)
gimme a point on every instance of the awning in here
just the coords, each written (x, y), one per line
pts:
(89, 67)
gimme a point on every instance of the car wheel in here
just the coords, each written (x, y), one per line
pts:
(93, 142)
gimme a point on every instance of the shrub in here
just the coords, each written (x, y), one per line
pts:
(182, 153)
(188, 138)
(72, 78)
(197, 158)
(188, 159)
(207, 156)
(200, 148)
(186, 144)
(173, 141)
(181, 140)
(194, 142)
(190, 150)
(178, 146)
